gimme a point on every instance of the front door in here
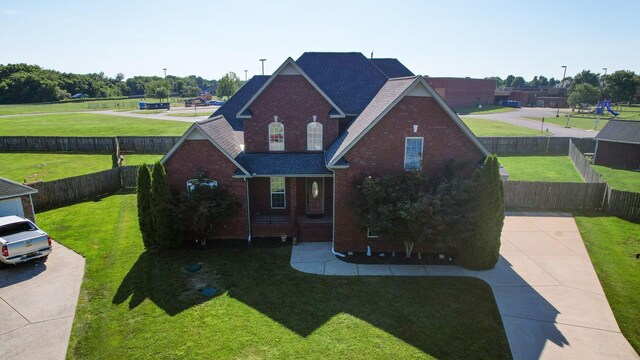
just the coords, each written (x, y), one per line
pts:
(315, 195)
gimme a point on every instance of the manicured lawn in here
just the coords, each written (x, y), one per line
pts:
(128, 104)
(207, 112)
(483, 127)
(50, 166)
(612, 243)
(486, 109)
(158, 111)
(540, 168)
(581, 123)
(87, 124)
(141, 305)
(619, 179)
(139, 159)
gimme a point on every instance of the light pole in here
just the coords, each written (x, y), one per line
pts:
(262, 61)
(561, 86)
(245, 75)
(165, 73)
(604, 79)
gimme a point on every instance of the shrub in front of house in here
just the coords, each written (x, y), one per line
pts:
(164, 215)
(143, 192)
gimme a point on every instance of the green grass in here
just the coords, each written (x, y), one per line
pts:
(139, 159)
(584, 121)
(158, 111)
(486, 109)
(140, 305)
(484, 127)
(612, 243)
(128, 104)
(619, 179)
(192, 114)
(50, 166)
(87, 124)
(540, 168)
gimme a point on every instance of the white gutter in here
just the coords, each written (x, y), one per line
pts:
(333, 223)
(248, 211)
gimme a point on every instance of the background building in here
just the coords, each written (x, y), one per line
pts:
(464, 92)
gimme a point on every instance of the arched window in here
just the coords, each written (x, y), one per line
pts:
(276, 136)
(314, 136)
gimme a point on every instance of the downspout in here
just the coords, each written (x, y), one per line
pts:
(248, 211)
(333, 234)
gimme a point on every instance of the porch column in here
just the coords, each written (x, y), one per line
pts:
(293, 198)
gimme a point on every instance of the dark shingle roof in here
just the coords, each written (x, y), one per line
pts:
(392, 67)
(230, 108)
(11, 189)
(222, 133)
(389, 92)
(284, 163)
(626, 131)
(349, 79)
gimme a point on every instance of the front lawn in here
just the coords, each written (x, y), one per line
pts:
(484, 127)
(31, 167)
(87, 124)
(619, 179)
(574, 122)
(140, 305)
(540, 168)
(486, 109)
(612, 244)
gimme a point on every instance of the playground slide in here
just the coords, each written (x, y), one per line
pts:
(608, 105)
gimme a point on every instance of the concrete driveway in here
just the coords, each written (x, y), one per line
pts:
(37, 305)
(547, 291)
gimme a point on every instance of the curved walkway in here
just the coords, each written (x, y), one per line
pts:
(546, 289)
(37, 305)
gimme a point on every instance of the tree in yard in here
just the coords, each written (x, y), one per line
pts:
(190, 91)
(163, 210)
(583, 94)
(622, 85)
(228, 85)
(144, 206)
(481, 251)
(158, 89)
(585, 77)
(518, 81)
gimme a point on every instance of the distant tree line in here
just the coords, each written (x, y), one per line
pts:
(23, 83)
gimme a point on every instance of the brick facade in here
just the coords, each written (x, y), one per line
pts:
(201, 155)
(294, 100)
(618, 155)
(381, 151)
(465, 92)
(27, 207)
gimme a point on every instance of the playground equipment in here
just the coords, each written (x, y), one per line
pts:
(606, 104)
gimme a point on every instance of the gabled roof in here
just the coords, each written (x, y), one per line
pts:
(390, 94)
(220, 133)
(623, 131)
(11, 189)
(288, 67)
(284, 164)
(392, 67)
(348, 78)
(230, 108)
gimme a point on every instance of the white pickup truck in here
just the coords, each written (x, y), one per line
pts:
(21, 240)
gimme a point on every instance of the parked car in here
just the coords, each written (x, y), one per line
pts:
(21, 240)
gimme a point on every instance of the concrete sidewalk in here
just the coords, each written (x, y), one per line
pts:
(37, 305)
(546, 289)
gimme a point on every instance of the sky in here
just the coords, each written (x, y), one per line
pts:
(210, 38)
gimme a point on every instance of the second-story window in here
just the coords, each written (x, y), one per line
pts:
(314, 136)
(276, 136)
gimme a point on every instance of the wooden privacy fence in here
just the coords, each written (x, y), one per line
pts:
(583, 165)
(623, 204)
(553, 195)
(534, 145)
(129, 176)
(85, 144)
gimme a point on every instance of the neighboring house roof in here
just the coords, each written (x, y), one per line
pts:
(11, 189)
(392, 67)
(390, 94)
(350, 79)
(230, 108)
(280, 164)
(623, 131)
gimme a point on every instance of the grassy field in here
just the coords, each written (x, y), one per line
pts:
(587, 122)
(612, 243)
(158, 111)
(540, 168)
(619, 179)
(483, 127)
(193, 114)
(50, 166)
(87, 124)
(486, 109)
(139, 159)
(126, 104)
(135, 304)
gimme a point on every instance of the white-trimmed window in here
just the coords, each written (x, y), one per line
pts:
(371, 234)
(413, 153)
(314, 136)
(278, 193)
(276, 136)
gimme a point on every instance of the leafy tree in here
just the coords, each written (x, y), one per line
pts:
(553, 82)
(534, 82)
(518, 82)
(499, 81)
(228, 85)
(144, 206)
(481, 251)
(544, 82)
(508, 82)
(158, 89)
(119, 77)
(585, 77)
(163, 210)
(622, 85)
(190, 91)
(583, 94)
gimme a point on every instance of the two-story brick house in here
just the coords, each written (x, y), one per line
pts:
(290, 146)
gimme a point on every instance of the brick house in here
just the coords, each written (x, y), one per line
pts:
(15, 199)
(291, 145)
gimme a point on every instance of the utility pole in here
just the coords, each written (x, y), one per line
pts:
(561, 86)
(245, 75)
(262, 61)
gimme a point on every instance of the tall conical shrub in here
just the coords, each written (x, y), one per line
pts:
(481, 251)
(163, 210)
(144, 205)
